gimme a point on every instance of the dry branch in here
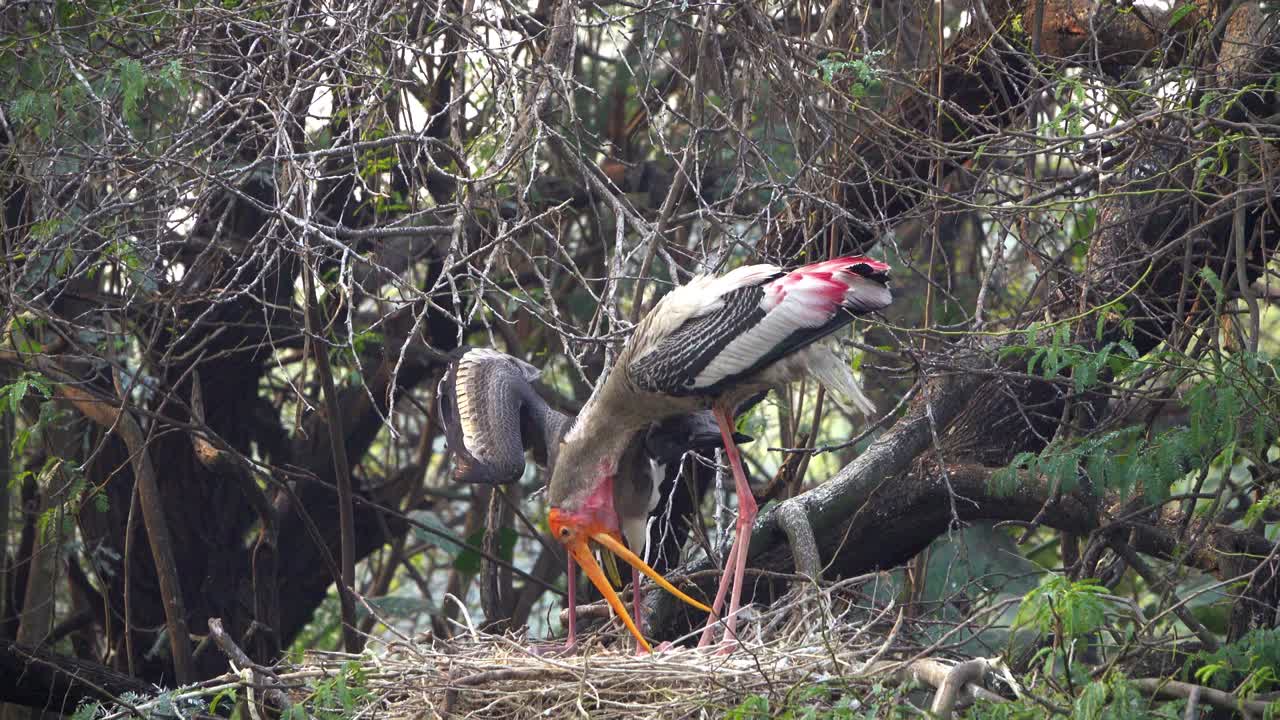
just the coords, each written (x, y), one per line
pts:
(153, 516)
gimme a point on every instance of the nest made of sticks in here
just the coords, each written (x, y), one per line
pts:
(817, 648)
(810, 641)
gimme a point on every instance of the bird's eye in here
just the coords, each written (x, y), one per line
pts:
(564, 532)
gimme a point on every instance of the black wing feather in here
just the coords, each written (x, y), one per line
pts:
(668, 441)
(672, 367)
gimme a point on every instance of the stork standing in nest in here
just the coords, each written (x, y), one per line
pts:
(710, 344)
(493, 415)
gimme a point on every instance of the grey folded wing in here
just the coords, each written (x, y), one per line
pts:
(492, 415)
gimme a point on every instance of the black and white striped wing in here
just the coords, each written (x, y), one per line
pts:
(673, 366)
(492, 415)
(749, 327)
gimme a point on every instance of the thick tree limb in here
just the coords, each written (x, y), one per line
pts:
(957, 685)
(37, 678)
(1172, 689)
(886, 522)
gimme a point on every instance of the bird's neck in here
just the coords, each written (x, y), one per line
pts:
(584, 464)
(611, 416)
(594, 445)
(591, 450)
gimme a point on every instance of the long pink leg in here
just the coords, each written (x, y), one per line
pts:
(747, 511)
(725, 579)
(573, 613)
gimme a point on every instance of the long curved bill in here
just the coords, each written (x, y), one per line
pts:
(582, 553)
(617, 548)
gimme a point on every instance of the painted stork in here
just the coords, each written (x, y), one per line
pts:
(492, 415)
(710, 344)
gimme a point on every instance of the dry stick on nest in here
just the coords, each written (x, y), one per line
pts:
(261, 676)
(493, 674)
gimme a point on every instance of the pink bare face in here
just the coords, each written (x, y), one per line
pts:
(597, 520)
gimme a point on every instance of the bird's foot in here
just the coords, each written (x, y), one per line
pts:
(727, 647)
(554, 649)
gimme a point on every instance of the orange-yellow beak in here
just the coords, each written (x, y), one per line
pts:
(574, 534)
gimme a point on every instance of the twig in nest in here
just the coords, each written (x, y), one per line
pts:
(261, 676)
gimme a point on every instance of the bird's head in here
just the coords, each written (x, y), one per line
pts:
(593, 518)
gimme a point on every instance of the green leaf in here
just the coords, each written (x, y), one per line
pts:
(133, 85)
(1005, 480)
(18, 391)
(227, 694)
(87, 711)
(1075, 606)
(1215, 282)
(1183, 10)
(1091, 703)
(396, 607)
(755, 706)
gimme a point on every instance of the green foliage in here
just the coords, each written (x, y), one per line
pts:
(87, 711)
(396, 607)
(12, 395)
(38, 109)
(1257, 510)
(1113, 699)
(11, 400)
(865, 74)
(1024, 709)
(133, 85)
(468, 561)
(1061, 357)
(1068, 609)
(1119, 700)
(164, 705)
(429, 528)
(808, 702)
(340, 696)
(755, 707)
(1070, 121)
(228, 694)
(1248, 666)
(324, 630)
(1183, 10)
(1125, 459)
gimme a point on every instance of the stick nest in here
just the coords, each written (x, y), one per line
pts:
(800, 644)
